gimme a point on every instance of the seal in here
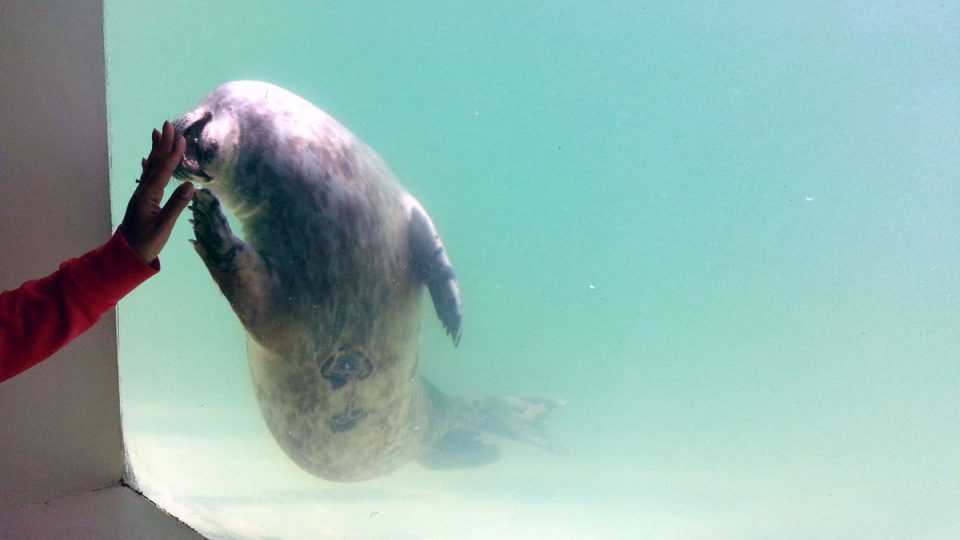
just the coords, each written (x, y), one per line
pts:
(327, 281)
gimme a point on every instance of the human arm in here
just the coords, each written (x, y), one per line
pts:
(41, 316)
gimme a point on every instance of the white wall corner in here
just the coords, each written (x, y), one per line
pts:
(60, 432)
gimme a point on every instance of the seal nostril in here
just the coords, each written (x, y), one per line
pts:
(196, 128)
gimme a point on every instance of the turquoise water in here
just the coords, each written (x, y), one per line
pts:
(727, 236)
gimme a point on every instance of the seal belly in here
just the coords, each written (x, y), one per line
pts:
(345, 411)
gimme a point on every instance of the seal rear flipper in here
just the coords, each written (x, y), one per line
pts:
(431, 264)
(522, 418)
(459, 449)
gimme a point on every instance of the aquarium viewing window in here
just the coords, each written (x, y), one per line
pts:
(724, 237)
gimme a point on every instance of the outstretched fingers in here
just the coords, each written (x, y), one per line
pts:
(147, 224)
(164, 157)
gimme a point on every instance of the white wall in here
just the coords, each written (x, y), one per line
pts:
(60, 422)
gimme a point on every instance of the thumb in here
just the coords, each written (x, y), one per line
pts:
(175, 205)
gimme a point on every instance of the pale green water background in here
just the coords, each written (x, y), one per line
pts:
(727, 235)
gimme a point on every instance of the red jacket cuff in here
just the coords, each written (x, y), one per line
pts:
(109, 272)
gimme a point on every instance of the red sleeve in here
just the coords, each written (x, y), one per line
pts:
(41, 316)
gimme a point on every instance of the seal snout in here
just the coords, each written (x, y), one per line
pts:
(197, 151)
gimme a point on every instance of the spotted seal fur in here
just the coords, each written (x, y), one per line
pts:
(327, 281)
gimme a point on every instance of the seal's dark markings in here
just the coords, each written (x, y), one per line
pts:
(327, 282)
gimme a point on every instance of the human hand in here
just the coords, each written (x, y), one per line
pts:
(146, 225)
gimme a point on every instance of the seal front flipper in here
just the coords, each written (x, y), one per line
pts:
(238, 270)
(215, 242)
(431, 265)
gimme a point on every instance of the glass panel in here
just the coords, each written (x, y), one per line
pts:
(726, 237)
